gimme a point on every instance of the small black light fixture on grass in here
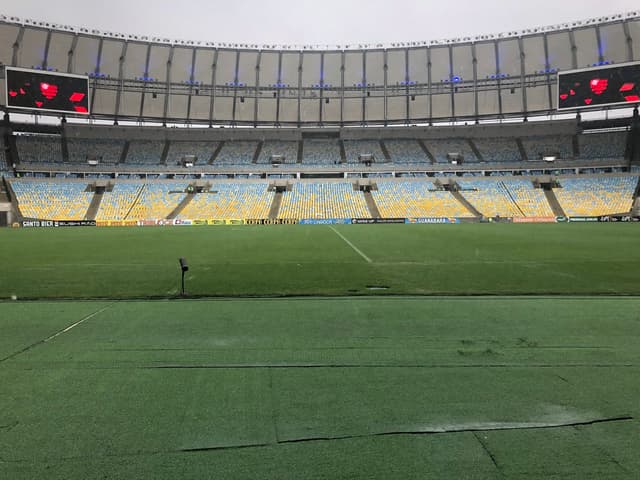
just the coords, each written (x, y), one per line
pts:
(184, 267)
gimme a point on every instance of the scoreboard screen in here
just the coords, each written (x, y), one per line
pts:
(47, 91)
(599, 86)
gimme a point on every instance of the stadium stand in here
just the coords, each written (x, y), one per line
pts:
(158, 200)
(39, 148)
(416, 199)
(596, 196)
(498, 149)
(145, 152)
(104, 150)
(491, 198)
(603, 145)
(323, 200)
(203, 151)
(117, 203)
(230, 200)
(353, 148)
(537, 147)
(236, 153)
(406, 152)
(52, 200)
(321, 152)
(441, 148)
(288, 149)
(532, 201)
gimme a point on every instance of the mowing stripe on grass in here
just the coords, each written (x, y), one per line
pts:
(39, 342)
(70, 327)
(355, 249)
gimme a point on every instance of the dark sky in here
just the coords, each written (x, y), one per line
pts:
(326, 22)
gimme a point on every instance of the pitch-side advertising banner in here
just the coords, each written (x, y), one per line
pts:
(378, 221)
(430, 220)
(325, 221)
(272, 221)
(534, 220)
(58, 223)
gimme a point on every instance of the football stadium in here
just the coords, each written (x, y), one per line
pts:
(382, 261)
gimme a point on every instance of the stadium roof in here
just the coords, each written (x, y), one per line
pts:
(154, 79)
(214, 38)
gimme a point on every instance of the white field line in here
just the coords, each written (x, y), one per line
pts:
(70, 327)
(355, 249)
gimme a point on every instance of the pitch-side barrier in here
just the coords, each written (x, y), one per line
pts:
(317, 221)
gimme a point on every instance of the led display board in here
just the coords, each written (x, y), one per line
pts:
(38, 90)
(599, 86)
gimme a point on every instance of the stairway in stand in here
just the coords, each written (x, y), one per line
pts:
(556, 208)
(181, 206)
(371, 205)
(466, 204)
(275, 206)
(94, 206)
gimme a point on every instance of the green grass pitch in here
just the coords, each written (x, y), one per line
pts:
(321, 260)
(332, 380)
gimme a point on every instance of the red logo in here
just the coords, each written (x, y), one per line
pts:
(48, 90)
(588, 101)
(599, 85)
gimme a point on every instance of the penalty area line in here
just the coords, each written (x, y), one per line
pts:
(355, 249)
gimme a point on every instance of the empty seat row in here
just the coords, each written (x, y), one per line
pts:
(52, 200)
(407, 199)
(323, 200)
(231, 200)
(596, 196)
(103, 150)
(47, 150)
(39, 148)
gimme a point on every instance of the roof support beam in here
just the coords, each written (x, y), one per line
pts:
(71, 53)
(547, 66)
(496, 49)
(47, 45)
(214, 68)
(430, 86)
(192, 69)
(629, 41)
(123, 56)
(451, 84)
(476, 103)
(523, 71)
(16, 47)
(255, 90)
(168, 86)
